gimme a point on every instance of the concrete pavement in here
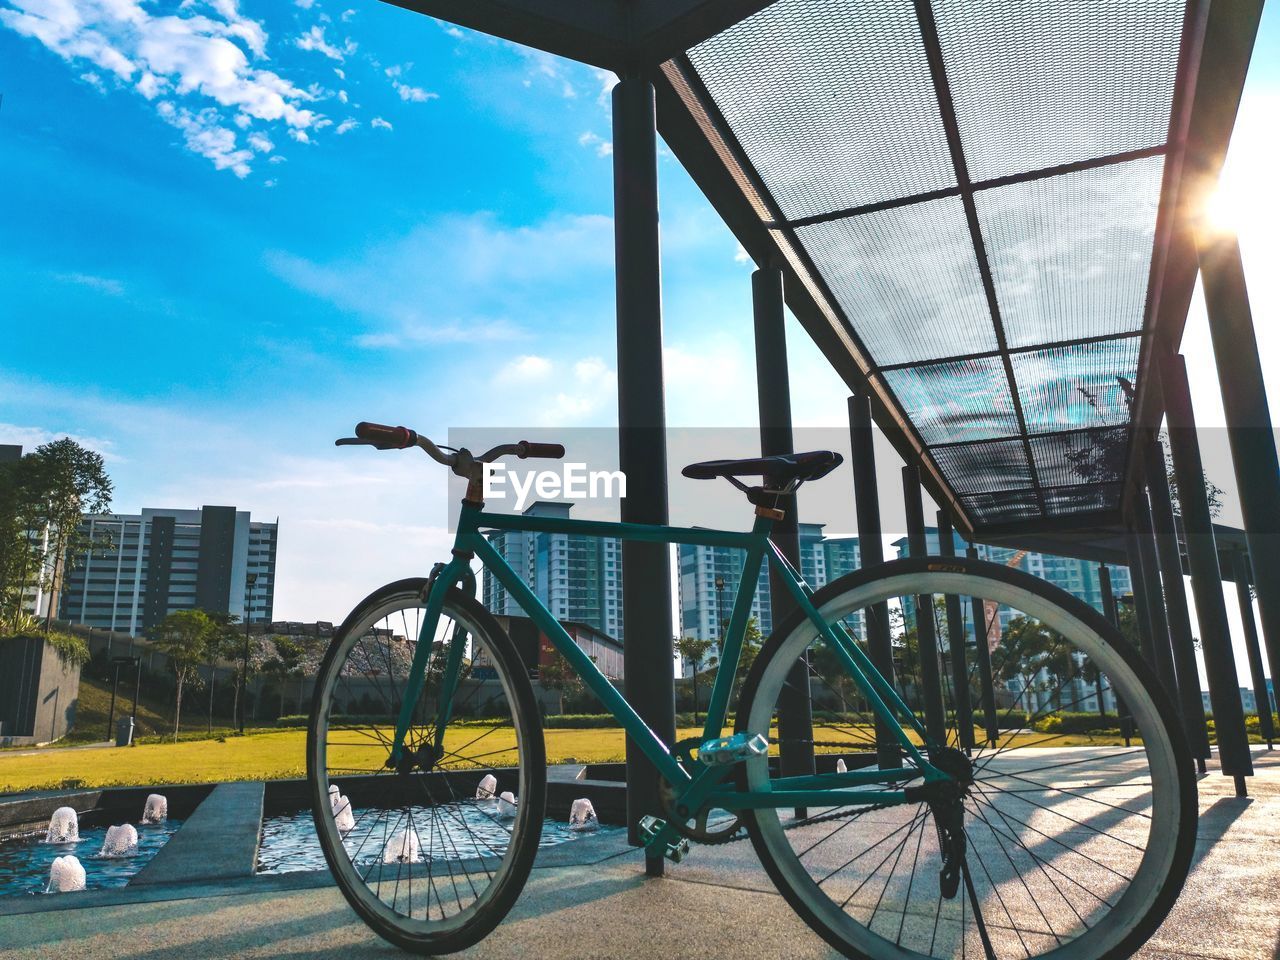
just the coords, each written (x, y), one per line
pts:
(717, 904)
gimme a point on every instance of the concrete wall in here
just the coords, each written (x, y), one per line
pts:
(38, 692)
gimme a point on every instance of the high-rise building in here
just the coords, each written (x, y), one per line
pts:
(709, 578)
(576, 577)
(145, 566)
(1077, 577)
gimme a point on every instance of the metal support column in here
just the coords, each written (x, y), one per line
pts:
(773, 387)
(986, 686)
(642, 449)
(1249, 427)
(935, 718)
(1112, 612)
(1138, 581)
(1261, 695)
(1161, 653)
(1206, 575)
(1169, 558)
(866, 501)
(955, 643)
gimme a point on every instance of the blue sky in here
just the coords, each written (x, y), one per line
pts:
(231, 229)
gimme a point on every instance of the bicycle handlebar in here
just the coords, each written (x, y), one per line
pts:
(384, 437)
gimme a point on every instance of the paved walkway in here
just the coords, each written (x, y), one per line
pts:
(717, 904)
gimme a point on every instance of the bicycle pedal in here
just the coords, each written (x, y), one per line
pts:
(652, 830)
(734, 749)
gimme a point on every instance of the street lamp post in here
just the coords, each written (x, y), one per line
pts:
(250, 579)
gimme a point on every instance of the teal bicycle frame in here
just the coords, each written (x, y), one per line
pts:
(703, 787)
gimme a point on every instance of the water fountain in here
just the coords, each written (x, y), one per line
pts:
(156, 809)
(65, 875)
(488, 787)
(841, 766)
(582, 816)
(402, 848)
(121, 841)
(64, 827)
(507, 805)
(342, 813)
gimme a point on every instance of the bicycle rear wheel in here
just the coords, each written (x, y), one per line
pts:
(1072, 849)
(431, 856)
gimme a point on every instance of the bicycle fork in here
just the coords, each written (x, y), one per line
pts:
(443, 579)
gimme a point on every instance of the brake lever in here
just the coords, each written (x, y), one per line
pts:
(357, 441)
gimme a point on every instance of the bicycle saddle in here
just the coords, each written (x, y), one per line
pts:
(778, 470)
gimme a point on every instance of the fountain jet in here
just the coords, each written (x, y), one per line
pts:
(64, 827)
(121, 841)
(66, 874)
(507, 805)
(402, 848)
(582, 817)
(488, 788)
(343, 816)
(156, 809)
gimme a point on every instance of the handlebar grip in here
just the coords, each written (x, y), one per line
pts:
(552, 451)
(386, 438)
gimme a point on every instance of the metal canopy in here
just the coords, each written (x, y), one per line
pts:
(984, 208)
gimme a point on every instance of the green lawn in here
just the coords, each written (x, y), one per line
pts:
(279, 754)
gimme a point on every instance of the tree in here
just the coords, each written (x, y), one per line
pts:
(558, 674)
(223, 643)
(694, 651)
(183, 637)
(1212, 492)
(284, 663)
(72, 481)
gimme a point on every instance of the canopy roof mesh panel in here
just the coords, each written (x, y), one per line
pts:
(973, 188)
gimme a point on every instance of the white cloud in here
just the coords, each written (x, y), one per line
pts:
(261, 142)
(314, 40)
(413, 94)
(342, 74)
(105, 285)
(28, 438)
(741, 256)
(305, 4)
(608, 80)
(603, 147)
(204, 136)
(348, 16)
(346, 126)
(207, 56)
(411, 333)
(379, 124)
(277, 159)
(342, 96)
(530, 367)
(300, 135)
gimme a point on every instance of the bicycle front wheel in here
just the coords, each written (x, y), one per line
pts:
(1074, 844)
(433, 854)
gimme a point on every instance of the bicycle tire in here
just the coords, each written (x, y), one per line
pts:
(1118, 930)
(477, 919)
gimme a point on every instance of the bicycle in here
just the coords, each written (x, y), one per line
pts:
(923, 840)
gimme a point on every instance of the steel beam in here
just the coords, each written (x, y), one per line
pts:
(1112, 612)
(866, 501)
(935, 717)
(590, 31)
(773, 388)
(642, 447)
(1206, 574)
(1159, 652)
(1249, 427)
(986, 685)
(1169, 560)
(667, 28)
(955, 643)
(1261, 695)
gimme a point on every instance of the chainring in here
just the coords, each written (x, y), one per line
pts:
(695, 828)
